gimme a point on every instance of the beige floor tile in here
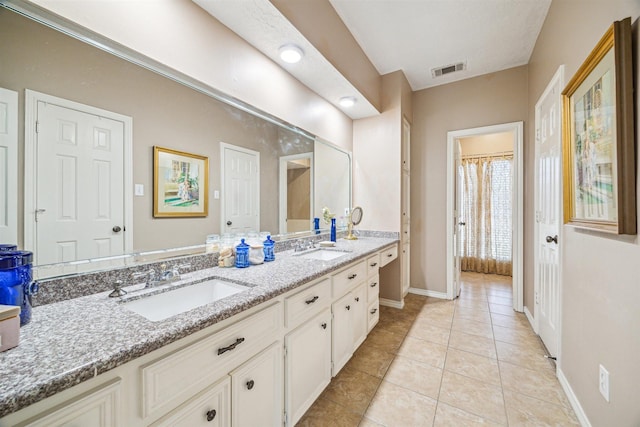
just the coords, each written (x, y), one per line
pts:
(515, 336)
(325, 413)
(502, 309)
(494, 299)
(479, 303)
(473, 396)
(514, 322)
(473, 327)
(396, 406)
(384, 340)
(499, 292)
(423, 351)
(473, 314)
(398, 325)
(415, 376)
(352, 389)
(366, 422)
(448, 416)
(442, 320)
(527, 411)
(472, 365)
(472, 343)
(542, 385)
(527, 356)
(371, 360)
(424, 330)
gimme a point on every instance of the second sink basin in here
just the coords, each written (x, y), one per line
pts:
(323, 254)
(162, 306)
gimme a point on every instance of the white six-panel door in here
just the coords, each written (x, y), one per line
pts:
(548, 199)
(8, 166)
(241, 189)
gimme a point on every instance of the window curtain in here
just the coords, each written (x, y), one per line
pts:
(486, 245)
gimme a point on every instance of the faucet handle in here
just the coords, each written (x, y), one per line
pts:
(150, 275)
(117, 290)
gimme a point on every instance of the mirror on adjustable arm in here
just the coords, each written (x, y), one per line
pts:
(166, 109)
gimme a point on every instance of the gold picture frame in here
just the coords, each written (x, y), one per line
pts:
(598, 138)
(180, 184)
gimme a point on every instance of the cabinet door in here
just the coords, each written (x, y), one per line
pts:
(210, 408)
(308, 364)
(256, 390)
(342, 328)
(359, 313)
(404, 271)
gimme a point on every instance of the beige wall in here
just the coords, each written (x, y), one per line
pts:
(487, 144)
(183, 36)
(601, 273)
(481, 101)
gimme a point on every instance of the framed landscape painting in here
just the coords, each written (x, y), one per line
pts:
(598, 138)
(179, 184)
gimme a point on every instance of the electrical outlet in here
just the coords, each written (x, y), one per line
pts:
(604, 383)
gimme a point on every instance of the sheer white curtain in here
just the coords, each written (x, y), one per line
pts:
(486, 211)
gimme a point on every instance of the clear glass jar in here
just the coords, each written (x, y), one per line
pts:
(212, 244)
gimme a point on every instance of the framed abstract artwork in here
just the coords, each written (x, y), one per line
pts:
(598, 138)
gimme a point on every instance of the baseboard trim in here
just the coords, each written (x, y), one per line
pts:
(428, 293)
(392, 303)
(532, 322)
(573, 399)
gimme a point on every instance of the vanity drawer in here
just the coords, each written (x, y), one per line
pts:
(173, 379)
(373, 313)
(388, 255)
(348, 278)
(373, 288)
(307, 303)
(373, 264)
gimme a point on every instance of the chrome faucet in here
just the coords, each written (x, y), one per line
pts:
(165, 276)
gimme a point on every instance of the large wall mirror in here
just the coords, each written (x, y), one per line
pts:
(55, 75)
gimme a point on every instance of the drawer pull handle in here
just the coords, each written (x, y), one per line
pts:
(389, 255)
(348, 307)
(374, 264)
(211, 415)
(312, 300)
(357, 299)
(324, 325)
(231, 347)
(250, 384)
(353, 276)
(374, 311)
(374, 284)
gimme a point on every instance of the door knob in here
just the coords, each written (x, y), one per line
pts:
(462, 223)
(117, 229)
(553, 239)
(250, 384)
(229, 223)
(211, 415)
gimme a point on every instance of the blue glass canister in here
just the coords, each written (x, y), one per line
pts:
(16, 285)
(333, 229)
(7, 247)
(242, 255)
(316, 225)
(268, 245)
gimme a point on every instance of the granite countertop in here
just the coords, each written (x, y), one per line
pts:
(72, 341)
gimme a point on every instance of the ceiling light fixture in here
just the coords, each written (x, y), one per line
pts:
(347, 101)
(291, 53)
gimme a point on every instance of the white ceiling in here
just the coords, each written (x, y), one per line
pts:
(418, 35)
(409, 35)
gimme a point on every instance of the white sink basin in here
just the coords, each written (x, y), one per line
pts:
(167, 304)
(323, 254)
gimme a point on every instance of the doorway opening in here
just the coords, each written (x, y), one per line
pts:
(296, 192)
(484, 205)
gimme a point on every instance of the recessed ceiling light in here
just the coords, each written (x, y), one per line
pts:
(291, 53)
(347, 101)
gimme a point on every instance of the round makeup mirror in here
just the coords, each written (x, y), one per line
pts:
(354, 219)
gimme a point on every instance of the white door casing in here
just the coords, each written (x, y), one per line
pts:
(8, 166)
(516, 128)
(457, 220)
(85, 210)
(240, 178)
(548, 214)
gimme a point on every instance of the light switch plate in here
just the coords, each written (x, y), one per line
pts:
(216, 194)
(139, 189)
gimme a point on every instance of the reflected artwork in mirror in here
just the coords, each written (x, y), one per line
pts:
(165, 110)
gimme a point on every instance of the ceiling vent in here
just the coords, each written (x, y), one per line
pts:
(448, 69)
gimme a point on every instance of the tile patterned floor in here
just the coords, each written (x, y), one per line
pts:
(473, 361)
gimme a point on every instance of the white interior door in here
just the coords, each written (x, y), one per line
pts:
(548, 199)
(79, 185)
(240, 189)
(8, 166)
(458, 222)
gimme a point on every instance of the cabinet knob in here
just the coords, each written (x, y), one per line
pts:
(357, 299)
(348, 307)
(211, 415)
(250, 384)
(323, 325)
(374, 284)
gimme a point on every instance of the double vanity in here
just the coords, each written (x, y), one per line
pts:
(219, 347)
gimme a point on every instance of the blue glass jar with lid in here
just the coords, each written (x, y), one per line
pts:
(268, 245)
(242, 255)
(333, 229)
(7, 247)
(16, 284)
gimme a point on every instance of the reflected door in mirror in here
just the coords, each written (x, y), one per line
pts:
(241, 192)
